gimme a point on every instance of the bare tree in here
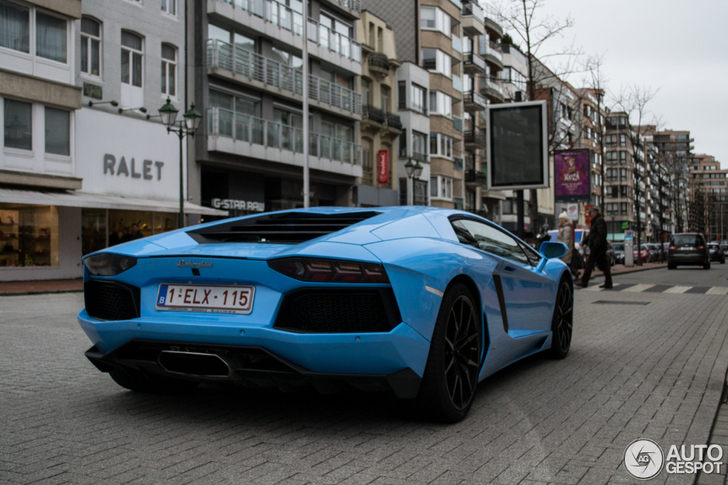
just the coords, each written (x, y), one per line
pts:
(524, 20)
(633, 101)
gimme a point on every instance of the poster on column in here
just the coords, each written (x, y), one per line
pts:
(572, 181)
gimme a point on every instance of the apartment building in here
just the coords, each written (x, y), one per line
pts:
(381, 126)
(589, 134)
(709, 180)
(248, 81)
(458, 45)
(623, 172)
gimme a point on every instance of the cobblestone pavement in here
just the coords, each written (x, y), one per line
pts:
(642, 365)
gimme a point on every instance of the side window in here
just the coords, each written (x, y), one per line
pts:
(489, 239)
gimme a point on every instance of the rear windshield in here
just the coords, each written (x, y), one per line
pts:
(618, 246)
(687, 240)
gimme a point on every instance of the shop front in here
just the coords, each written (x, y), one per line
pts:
(130, 189)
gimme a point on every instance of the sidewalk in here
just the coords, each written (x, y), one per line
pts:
(67, 286)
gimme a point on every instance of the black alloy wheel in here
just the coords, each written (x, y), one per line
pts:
(562, 325)
(453, 365)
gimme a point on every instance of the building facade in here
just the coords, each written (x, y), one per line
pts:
(709, 180)
(248, 81)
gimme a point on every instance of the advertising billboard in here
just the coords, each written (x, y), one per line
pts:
(572, 180)
(518, 146)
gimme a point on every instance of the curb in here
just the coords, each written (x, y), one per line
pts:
(37, 292)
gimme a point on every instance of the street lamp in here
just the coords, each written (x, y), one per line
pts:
(187, 126)
(413, 171)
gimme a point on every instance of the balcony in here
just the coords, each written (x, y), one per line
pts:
(419, 157)
(476, 178)
(231, 62)
(457, 123)
(493, 55)
(334, 98)
(331, 43)
(378, 64)
(474, 101)
(457, 44)
(378, 120)
(351, 7)
(271, 142)
(492, 89)
(266, 16)
(473, 64)
(474, 139)
(473, 19)
(492, 21)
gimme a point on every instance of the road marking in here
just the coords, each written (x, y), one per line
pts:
(718, 290)
(678, 289)
(638, 288)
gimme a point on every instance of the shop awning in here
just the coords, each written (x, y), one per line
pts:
(81, 199)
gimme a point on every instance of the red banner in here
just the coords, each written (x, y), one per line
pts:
(383, 166)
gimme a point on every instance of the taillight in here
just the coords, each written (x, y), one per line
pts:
(673, 247)
(700, 247)
(330, 270)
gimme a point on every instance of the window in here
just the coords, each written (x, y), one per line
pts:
(14, 26)
(365, 93)
(441, 187)
(418, 99)
(217, 33)
(90, 47)
(440, 104)
(441, 145)
(489, 239)
(57, 131)
(169, 6)
(31, 238)
(419, 145)
(623, 140)
(50, 37)
(18, 125)
(436, 60)
(131, 59)
(386, 93)
(434, 18)
(169, 70)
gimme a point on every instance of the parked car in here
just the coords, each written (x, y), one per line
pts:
(618, 249)
(644, 254)
(688, 248)
(716, 253)
(408, 300)
(656, 254)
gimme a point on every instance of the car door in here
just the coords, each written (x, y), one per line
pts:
(525, 295)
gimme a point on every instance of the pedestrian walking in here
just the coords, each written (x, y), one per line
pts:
(566, 236)
(597, 243)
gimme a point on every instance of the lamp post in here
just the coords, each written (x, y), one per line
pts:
(413, 172)
(187, 126)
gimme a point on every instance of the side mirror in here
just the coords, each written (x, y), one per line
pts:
(551, 250)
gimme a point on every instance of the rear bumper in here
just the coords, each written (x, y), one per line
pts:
(242, 365)
(692, 259)
(368, 355)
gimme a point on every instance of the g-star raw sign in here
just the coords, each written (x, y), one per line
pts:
(383, 166)
(238, 204)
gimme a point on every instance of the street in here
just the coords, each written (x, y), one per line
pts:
(648, 360)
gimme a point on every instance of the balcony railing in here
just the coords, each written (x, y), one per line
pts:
(334, 41)
(457, 123)
(457, 83)
(394, 121)
(221, 55)
(381, 117)
(457, 44)
(334, 95)
(475, 177)
(379, 61)
(494, 50)
(350, 4)
(420, 157)
(257, 131)
(477, 138)
(471, 8)
(474, 101)
(473, 63)
(272, 11)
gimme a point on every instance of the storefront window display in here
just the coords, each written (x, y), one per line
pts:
(28, 235)
(123, 226)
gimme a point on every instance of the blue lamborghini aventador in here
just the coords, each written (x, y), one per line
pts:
(419, 301)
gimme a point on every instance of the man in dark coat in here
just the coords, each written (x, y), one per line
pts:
(597, 242)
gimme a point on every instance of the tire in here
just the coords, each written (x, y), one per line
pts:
(671, 266)
(450, 380)
(135, 380)
(706, 265)
(722, 260)
(562, 324)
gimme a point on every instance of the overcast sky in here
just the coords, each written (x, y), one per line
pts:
(678, 47)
